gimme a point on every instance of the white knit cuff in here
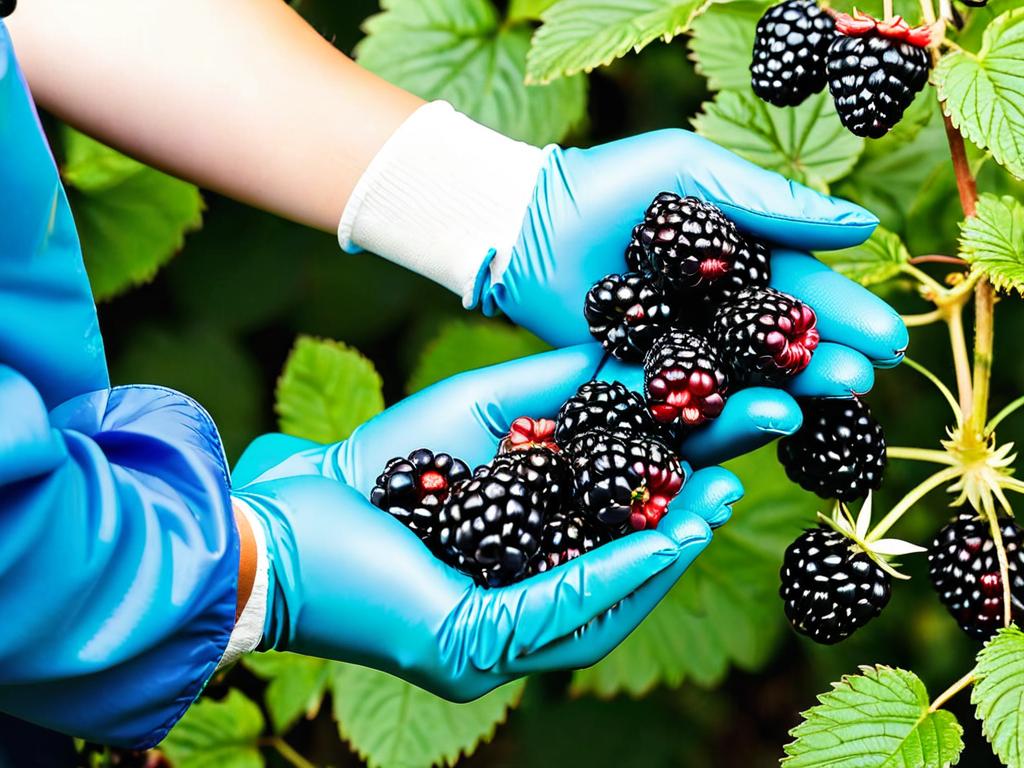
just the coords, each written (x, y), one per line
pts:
(248, 629)
(443, 197)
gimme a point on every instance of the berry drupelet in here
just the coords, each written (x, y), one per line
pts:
(829, 590)
(963, 566)
(790, 46)
(765, 336)
(566, 536)
(413, 489)
(626, 313)
(839, 452)
(684, 380)
(525, 433)
(608, 405)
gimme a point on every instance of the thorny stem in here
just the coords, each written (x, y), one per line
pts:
(952, 691)
(920, 454)
(942, 476)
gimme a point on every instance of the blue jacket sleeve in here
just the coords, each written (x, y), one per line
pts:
(118, 559)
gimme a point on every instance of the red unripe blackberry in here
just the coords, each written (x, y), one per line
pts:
(875, 68)
(830, 590)
(624, 482)
(414, 489)
(567, 536)
(765, 336)
(838, 452)
(525, 433)
(684, 380)
(963, 566)
(608, 405)
(790, 46)
(697, 253)
(626, 313)
(491, 526)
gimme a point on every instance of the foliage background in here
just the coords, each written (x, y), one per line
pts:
(208, 296)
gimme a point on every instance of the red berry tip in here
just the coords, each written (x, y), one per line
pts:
(525, 433)
(895, 28)
(432, 483)
(712, 269)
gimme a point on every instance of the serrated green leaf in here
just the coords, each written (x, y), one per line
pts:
(461, 52)
(394, 724)
(519, 10)
(717, 37)
(983, 93)
(463, 345)
(993, 241)
(296, 685)
(999, 693)
(806, 143)
(877, 719)
(217, 734)
(725, 610)
(327, 390)
(876, 260)
(131, 219)
(579, 35)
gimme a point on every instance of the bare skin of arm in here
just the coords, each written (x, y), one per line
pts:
(239, 96)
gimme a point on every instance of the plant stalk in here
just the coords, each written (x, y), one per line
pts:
(1004, 564)
(984, 336)
(920, 454)
(288, 753)
(965, 391)
(939, 478)
(952, 691)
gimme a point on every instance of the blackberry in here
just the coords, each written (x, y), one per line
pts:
(964, 569)
(875, 69)
(636, 254)
(839, 452)
(624, 482)
(567, 536)
(526, 433)
(545, 471)
(684, 380)
(491, 526)
(626, 313)
(608, 405)
(790, 46)
(829, 590)
(765, 336)
(414, 489)
(698, 253)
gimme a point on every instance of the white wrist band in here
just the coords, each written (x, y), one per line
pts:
(443, 197)
(248, 631)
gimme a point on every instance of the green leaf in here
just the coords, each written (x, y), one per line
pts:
(807, 143)
(718, 35)
(394, 724)
(580, 35)
(461, 52)
(297, 685)
(993, 241)
(326, 390)
(877, 719)
(463, 345)
(530, 10)
(131, 219)
(998, 694)
(217, 734)
(725, 610)
(876, 260)
(983, 93)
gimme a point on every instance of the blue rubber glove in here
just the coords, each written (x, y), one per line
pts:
(349, 582)
(586, 202)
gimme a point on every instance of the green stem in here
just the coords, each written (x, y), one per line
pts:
(920, 454)
(954, 319)
(939, 478)
(925, 279)
(288, 753)
(938, 385)
(1004, 564)
(984, 335)
(952, 691)
(1007, 411)
(925, 318)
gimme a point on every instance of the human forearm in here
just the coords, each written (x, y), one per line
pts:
(240, 96)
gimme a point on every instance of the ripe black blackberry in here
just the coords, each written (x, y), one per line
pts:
(790, 46)
(626, 313)
(491, 526)
(684, 380)
(875, 69)
(545, 471)
(764, 336)
(839, 452)
(964, 569)
(608, 405)
(698, 253)
(636, 254)
(413, 489)
(567, 535)
(829, 590)
(624, 482)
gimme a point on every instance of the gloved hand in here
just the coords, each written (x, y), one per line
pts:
(528, 231)
(349, 582)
